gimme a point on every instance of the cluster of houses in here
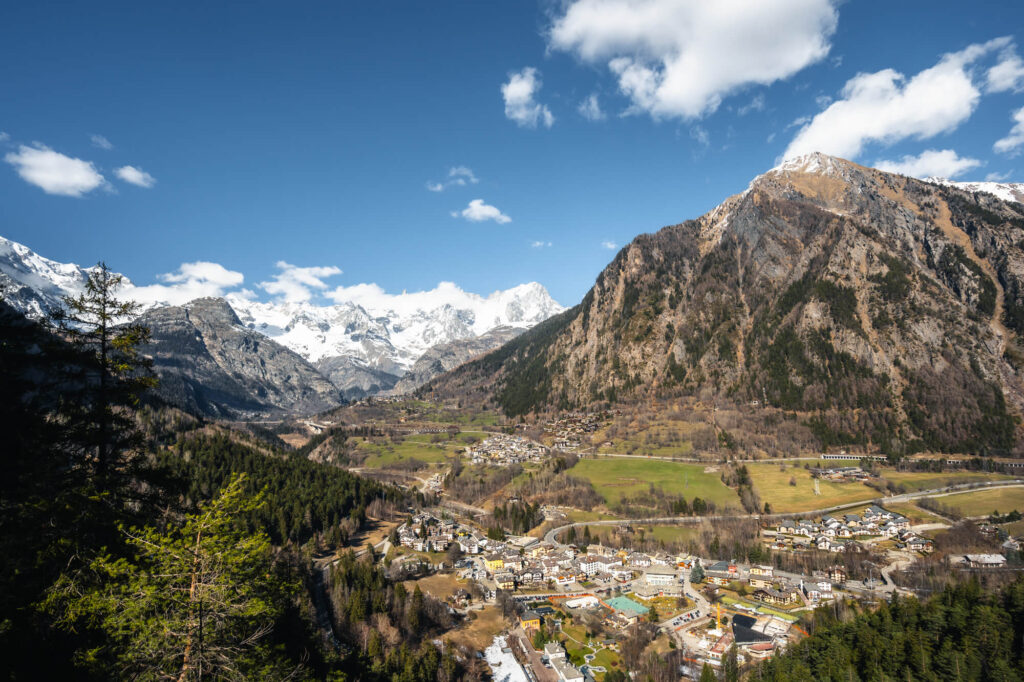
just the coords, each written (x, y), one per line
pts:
(425, 532)
(502, 450)
(840, 533)
(772, 589)
(542, 563)
(569, 430)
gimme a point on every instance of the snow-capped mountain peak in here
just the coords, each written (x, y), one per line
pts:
(365, 325)
(1007, 191)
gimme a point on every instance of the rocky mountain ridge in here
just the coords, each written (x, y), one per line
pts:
(882, 311)
(362, 346)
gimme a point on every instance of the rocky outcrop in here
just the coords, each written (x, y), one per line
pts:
(208, 362)
(880, 310)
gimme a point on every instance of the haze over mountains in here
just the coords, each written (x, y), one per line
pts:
(361, 346)
(875, 308)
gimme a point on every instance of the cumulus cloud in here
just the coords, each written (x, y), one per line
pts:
(590, 109)
(54, 172)
(459, 176)
(540, 244)
(886, 106)
(943, 163)
(610, 245)
(189, 282)
(1008, 73)
(295, 284)
(101, 142)
(135, 176)
(680, 58)
(520, 103)
(478, 211)
(1012, 143)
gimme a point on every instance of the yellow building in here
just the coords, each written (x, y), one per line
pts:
(530, 620)
(494, 563)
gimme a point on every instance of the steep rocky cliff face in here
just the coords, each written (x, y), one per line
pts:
(209, 363)
(884, 310)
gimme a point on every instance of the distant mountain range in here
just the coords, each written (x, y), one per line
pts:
(342, 351)
(872, 308)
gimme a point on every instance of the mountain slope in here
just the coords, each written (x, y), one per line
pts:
(885, 310)
(211, 364)
(445, 357)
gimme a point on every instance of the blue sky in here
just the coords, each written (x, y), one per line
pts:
(303, 142)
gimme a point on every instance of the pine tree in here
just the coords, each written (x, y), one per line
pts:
(707, 674)
(194, 602)
(106, 374)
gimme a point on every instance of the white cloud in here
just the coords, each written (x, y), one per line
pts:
(701, 135)
(590, 109)
(1011, 143)
(191, 281)
(679, 58)
(135, 176)
(460, 175)
(887, 107)
(997, 177)
(1008, 73)
(295, 284)
(54, 172)
(756, 104)
(540, 244)
(457, 176)
(520, 105)
(478, 211)
(101, 142)
(931, 163)
(610, 245)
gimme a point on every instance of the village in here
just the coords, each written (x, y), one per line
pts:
(504, 450)
(701, 606)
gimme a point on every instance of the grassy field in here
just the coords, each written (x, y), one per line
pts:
(1015, 529)
(476, 634)
(773, 485)
(671, 533)
(984, 502)
(381, 456)
(914, 513)
(923, 480)
(615, 478)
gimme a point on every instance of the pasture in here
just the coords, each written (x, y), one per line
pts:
(791, 489)
(617, 477)
(984, 502)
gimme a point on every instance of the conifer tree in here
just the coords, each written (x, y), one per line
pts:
(106, 374)
(195, 601)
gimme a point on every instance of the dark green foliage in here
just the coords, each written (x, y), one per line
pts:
(303, 498)
(894, 285)
(362, 595)
(518, 517)
(962, 633)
